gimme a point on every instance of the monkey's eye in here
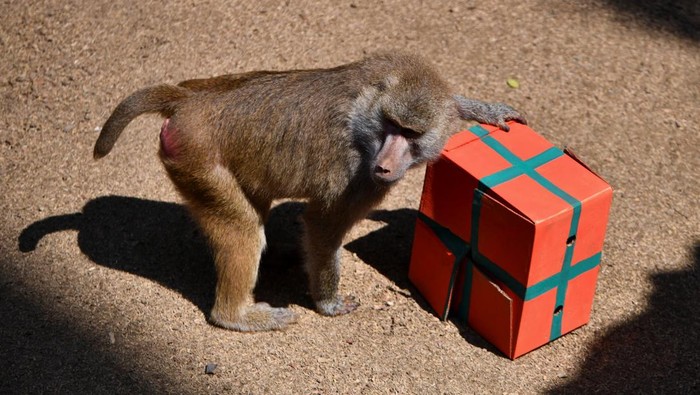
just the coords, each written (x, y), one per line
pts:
(409, 133)
(394, 127)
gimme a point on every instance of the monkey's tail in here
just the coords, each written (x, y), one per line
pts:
(159, 98)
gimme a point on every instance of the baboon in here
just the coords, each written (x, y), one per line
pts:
(338, 138)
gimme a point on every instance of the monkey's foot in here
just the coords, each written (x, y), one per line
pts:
(337, 306)
(257, 318)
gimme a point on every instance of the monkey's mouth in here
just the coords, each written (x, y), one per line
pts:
(383, 183)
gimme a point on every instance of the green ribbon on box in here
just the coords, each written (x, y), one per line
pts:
(462, 249)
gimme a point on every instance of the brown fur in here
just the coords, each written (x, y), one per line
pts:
(337, 137)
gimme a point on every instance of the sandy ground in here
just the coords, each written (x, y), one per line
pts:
(105, 283)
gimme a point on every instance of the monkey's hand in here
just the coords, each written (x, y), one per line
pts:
(496, 114)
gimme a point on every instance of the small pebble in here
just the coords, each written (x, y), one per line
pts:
(210, 368)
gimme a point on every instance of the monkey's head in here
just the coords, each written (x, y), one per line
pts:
(403, 121)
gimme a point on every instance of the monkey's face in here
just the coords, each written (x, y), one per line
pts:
(403, 148)
(400, 123)
(413, 132)
(396, 154)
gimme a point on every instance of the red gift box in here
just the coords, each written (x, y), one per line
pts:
(509, 236)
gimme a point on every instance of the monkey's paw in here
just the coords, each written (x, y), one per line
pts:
(500, 113)
(338, 305)
(257, 318)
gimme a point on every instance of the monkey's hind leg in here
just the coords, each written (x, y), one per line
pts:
(234, 227)
(237, 244)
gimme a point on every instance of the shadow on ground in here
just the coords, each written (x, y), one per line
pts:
(159, 241)
(681, 17)
(46, 352)
(657, 352)
(388, 250)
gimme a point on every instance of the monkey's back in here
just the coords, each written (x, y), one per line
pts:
(284, 133)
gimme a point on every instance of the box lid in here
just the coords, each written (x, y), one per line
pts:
(509, 163)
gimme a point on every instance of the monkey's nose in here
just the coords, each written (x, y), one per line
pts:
(381, 170)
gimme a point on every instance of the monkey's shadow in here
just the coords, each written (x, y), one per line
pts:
(160, 241)
(388, 249)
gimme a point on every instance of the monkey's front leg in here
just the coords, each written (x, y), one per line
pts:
(496, 114)
(323, 236)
